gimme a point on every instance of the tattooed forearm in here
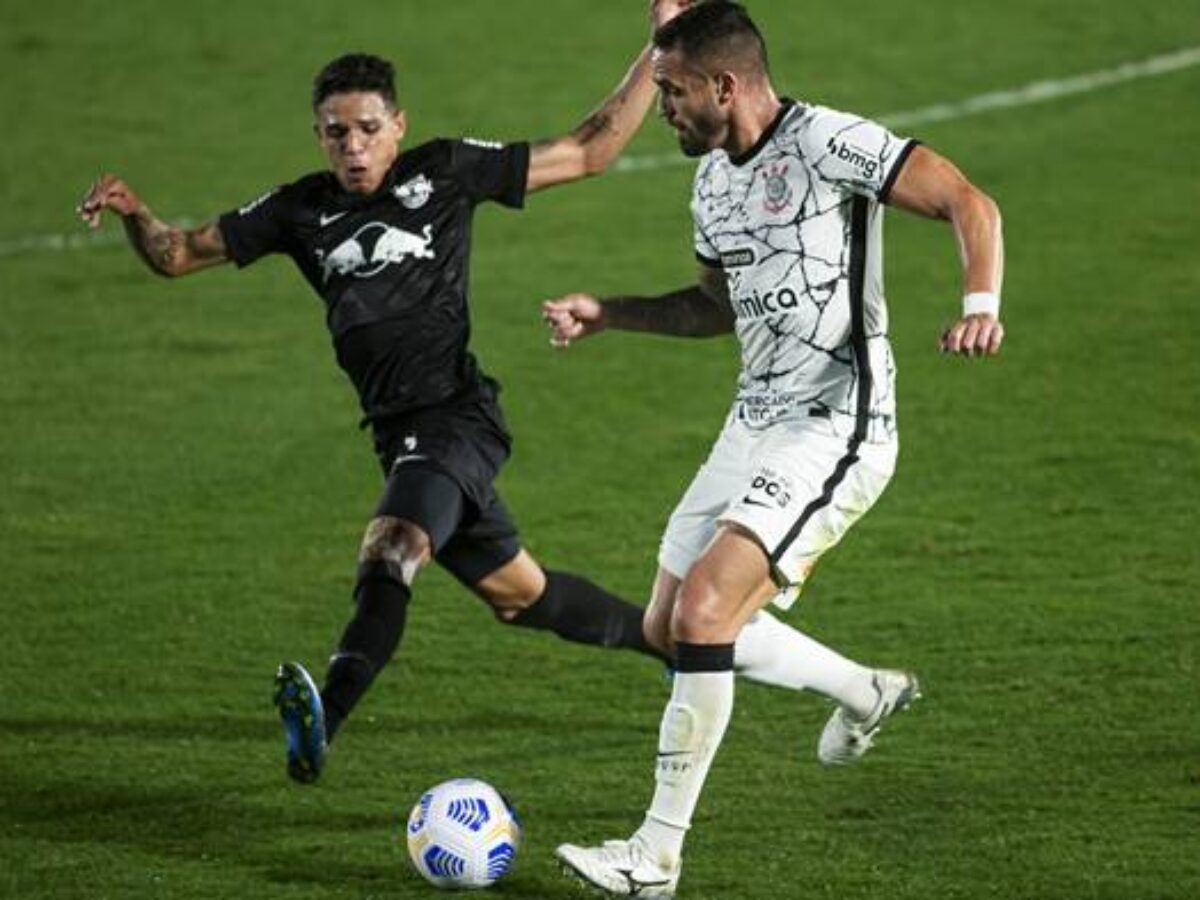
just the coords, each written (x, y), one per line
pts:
(596, 125)
(161, 247)
(684, 313)
(606, 131)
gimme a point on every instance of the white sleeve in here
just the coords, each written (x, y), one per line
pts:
(853, 153)
(705, 251)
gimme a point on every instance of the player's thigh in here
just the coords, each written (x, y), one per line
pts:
(426, 497)
(516, 585)
(418, 512)
(806, 489)
(693, 523)
(728, 583)
(486, 557)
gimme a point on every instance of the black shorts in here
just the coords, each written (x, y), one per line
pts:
(441, 464)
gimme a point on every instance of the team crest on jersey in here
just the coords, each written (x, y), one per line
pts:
(777, 193)
(374, 247)
(414, 193)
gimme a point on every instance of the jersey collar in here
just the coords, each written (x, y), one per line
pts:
(344, 199)
(785, 106)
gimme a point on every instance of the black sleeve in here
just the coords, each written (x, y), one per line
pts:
(256, 229)
(491, 171)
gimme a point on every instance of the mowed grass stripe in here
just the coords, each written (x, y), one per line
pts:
(1026, 95)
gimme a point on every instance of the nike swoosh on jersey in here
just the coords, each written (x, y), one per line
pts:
(325, 220)
(749, 501)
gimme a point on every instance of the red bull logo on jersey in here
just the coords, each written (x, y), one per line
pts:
(374, 247)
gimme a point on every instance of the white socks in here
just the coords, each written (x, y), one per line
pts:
(694, 721)
(771, 652)
(693, 725)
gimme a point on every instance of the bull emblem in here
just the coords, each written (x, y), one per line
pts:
(395, 244)
(373, 247)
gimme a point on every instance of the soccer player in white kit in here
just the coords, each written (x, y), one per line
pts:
(787, 205)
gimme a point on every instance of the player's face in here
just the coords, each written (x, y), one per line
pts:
(360, 133)
(688, 102)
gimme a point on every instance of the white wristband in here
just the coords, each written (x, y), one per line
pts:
(981, 302)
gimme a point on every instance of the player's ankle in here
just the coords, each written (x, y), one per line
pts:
(662, 840)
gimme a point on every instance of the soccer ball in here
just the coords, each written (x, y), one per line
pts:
(463, 834)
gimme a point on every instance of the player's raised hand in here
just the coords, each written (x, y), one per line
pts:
(663, 11)
(108, 192)
(572, 317)
(979, 334)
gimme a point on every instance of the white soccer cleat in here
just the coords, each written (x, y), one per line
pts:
(845, 739)
(620, 868)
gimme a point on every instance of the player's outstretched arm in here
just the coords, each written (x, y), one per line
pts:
(599, 139)
(701, 310)
(931, 185)
(167, 250)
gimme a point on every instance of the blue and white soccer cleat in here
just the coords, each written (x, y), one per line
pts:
(620, 868)
(845, 739)
(300, 709)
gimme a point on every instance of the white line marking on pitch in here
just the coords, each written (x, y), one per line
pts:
(1035, 92)
(1027, 95)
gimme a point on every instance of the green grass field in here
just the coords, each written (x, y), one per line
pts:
(182, 486)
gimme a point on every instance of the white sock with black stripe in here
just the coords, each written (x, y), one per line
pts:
(693, 725)
(771, 652)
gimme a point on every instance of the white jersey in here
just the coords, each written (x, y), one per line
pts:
(796, 225)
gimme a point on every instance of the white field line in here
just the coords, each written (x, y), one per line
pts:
(1026, 95)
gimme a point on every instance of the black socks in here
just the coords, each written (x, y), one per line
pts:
(367, 643)
(571, 607)
(577, 610)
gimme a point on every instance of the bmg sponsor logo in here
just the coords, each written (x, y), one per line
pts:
(856, 157)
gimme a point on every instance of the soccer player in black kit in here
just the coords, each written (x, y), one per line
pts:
(383, 237)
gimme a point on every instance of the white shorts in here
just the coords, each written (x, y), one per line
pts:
(796, 486)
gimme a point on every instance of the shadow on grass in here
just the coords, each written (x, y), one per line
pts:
(260, 838)
(219, 728)
(449, 718)
(181, 790)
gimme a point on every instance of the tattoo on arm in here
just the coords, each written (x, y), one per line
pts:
(694, 311)
(596, 141)
(595, 125)
(171, 251)
(151, 239)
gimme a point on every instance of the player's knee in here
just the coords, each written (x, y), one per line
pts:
(506, 614)
(509, 601)
(393, 548)
(700, 615)
(656, 629)
(512, 588)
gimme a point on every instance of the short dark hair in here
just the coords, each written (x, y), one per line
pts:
(716, 32)
(355, 73)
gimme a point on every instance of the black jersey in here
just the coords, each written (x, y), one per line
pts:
(391, 267)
